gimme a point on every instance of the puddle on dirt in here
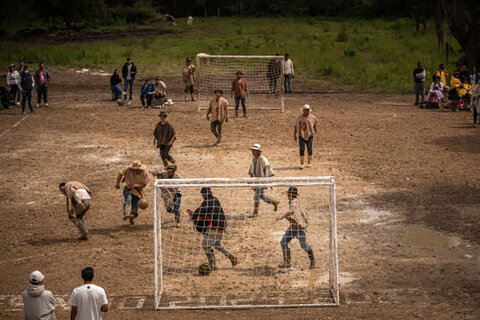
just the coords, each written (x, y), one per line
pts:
(420, 236)
(114, 159)
(374, 215)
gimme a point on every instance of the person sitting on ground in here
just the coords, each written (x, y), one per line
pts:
(146, 92)
(38, 303)
(443, 74)
(456, 85)
(115, 84)
(5, 98)
(436, 90)
(159, 91)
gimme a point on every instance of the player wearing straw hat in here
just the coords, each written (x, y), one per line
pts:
(136, 178)
(78, 203)
(218, 108)
(260, 167)
(306, 125)
(297, 216)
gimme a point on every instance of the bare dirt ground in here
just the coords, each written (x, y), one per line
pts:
(408, 198)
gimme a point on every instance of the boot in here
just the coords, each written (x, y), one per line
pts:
(126, 215)
(177, 220)
(171, 160)
(255, 209)
(218, 141)
(309, 161)
(191, 95)
(312, 259)
(302, 162)
(165, 163)
(233, 259)
(286, 259)
(274, 202)
(211, 261)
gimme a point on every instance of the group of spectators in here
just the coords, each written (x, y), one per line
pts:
(151, 94)
(87, 301)
(20, 84)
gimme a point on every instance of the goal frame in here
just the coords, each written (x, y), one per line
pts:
(325, 181)
(199, 72)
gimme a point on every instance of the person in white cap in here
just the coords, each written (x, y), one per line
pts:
(260, 167)
(38, 303)
(88, 301)
(306, 125)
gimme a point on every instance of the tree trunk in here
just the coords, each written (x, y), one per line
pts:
(464, 29)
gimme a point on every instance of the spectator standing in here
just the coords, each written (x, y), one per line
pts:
(129, 71)
(419, 75)
(21, 64)
(26, 86)
(13, 80)
(240, 92)
(288, 73)
(115, 84)
(42, 78)
(88, 301)
(38, 303)
(474, 76)
(188, 75)
(274, 68)
(476, 102)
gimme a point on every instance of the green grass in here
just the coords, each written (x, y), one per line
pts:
(371, 55)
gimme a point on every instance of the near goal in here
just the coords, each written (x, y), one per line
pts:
(256, 281)
(264, 76)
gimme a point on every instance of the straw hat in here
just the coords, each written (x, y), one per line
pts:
(137, 165)
(256, 146)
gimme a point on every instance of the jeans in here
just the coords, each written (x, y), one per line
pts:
(42, 90)
(213, 239)
(13, 92)
(27, 95)
(290, 234)
(237, 102)
(419, 88)
(78, 218)
(216, 127)
(128, 83)
(302, 142)
(272, 83)
(177, 201)
(118, 91)
(287, 83)
(130, 200)
(149, 99)
(164, 154)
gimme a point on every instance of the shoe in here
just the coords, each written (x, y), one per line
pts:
(302, 162)
(18, 103)
(286, 260)
(275, 205)
(233, 260)
(46, 104)
(131, 220)
(23, 113)
(310, 158)
(245, 115)
(38, 105)
(143, 107)
(236, 115)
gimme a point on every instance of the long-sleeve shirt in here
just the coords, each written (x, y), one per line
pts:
(164, 133)
(136, 176)
(305, 126)
(296, 215)
(13, 78)
(218, 109)
(288, 67)
(70, 188)
(114, 80)
(260, 167)
(239, 87)
(209, 215)
(146, 88)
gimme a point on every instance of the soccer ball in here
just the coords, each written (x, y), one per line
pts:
(143, 204)
(204, 269)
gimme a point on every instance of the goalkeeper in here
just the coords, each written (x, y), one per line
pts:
(297, 216)
(209, 219)
(172, 197)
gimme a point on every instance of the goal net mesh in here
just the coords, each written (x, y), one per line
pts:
(264, 76)
(254, 241)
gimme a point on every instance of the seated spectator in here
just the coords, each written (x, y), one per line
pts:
(159, 91)
(115, 84)
(38, 303)
(474, 76)
(443, 74)
(457, 89)
(436, 90)
(5, 98)
(146, 92)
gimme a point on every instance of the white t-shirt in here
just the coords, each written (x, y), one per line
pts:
(129, 75)
(88, 299)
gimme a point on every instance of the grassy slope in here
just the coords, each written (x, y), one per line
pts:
(385, 51)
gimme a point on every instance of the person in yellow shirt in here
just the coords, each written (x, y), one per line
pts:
(443, 74)
(458, 88)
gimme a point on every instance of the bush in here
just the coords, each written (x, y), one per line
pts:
(349, 52)
(342, 35)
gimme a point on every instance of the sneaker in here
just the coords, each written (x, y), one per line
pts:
(18, 103)
(38, 105)
(131, 220)
(46, 104)
(23, 113)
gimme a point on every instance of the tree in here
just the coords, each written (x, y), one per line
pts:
(464, 21)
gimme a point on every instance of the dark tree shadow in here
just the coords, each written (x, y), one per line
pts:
(469, 144)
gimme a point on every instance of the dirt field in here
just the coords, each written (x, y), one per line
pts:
(408, 189)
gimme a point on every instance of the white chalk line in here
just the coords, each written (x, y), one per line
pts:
(16, 124)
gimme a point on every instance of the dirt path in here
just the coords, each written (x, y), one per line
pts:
(408, 198)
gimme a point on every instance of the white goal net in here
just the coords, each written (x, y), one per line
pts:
(263, 74)
(248, 251)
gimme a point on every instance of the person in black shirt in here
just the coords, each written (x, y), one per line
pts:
(209, 219)
(115, 84)
(419, 76)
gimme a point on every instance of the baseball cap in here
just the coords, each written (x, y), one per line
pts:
(206, 190)
(256, 146)
(36, 277)
(239, 72)
(306, 106)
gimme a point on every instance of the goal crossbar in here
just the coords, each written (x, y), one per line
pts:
(326, 181)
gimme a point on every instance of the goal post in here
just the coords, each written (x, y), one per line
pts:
(264, 76)
(256, 242)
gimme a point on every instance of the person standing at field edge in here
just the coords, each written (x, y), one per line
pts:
(188, 76)
(218, 108)
(129, 71)
(288, 73)
(42, 78)
(419, 76)
(164, 136)
(306, 125)
(88, 301)
(38, 303)
(240, 92)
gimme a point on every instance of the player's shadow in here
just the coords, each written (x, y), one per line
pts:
(110, 232)
(199, 146)
(51, 241)
(259, 271)
(288, 169)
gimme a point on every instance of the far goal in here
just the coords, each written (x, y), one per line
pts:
(257, 280)
(264, 76)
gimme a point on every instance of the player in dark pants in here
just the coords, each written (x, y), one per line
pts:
(164, 136)
(209, 219)
(172, 197)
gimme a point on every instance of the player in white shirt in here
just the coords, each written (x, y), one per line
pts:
(88, 301)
